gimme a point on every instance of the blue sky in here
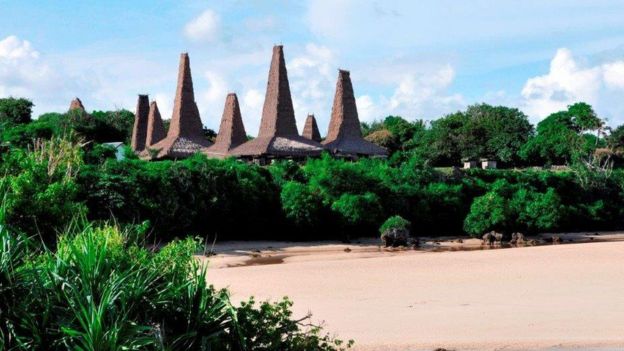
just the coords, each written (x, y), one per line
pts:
(418, 59)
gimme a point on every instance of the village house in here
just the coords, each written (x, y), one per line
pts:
(278, 137)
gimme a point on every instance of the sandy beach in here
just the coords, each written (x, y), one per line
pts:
(554, 297)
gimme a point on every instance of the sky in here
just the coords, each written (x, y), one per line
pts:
(417, 59)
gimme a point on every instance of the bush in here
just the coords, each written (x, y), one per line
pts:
(395, 222)
(15, 111)
(301, 205)
(101, 290)
(39, 187)
(196, 196)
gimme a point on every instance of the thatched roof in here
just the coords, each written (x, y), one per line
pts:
(76, 104)
(310, 130)
(231, 132)
(185, 136)
(278, 135)
(344, 137)
(139, 131)
(155, 127)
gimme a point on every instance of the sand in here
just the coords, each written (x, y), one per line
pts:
(546, 297)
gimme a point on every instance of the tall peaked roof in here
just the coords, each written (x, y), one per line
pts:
(139, 131)
(231, 132)
(155, 127)
(310, 130)
(76, 104)
(185, 120)
(278, 114)
(185, 136)
(278, 135)
(344, 136)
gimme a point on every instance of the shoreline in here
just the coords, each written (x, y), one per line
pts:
(233, 254)
(539, 297)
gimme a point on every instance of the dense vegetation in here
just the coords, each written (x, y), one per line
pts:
(67, 283)
(71, 280)
(101, 289)
(50, 177)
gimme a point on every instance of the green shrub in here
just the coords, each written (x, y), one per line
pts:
(300, 205)
(395, 222)
(40, 188)
(358, 209)
(102, 290)
(15, 111)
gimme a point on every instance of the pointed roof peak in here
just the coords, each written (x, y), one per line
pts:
(186, 134)
(231, 131)
(155, 127)
(139, 130)
(310, 130)
(185, 120)
(278, 135)
(278, 114)
(76, 104)
(344, 135)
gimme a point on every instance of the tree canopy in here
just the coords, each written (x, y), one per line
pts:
(15, 111)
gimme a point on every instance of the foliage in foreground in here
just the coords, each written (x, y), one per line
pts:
(102, 290)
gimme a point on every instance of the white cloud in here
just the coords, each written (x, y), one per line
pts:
(204, 27)
(415, 91)
(23, 73)
(251, 109)
(312, 75)
(211, 100)
(165, 104)
(367, 110)
(217, 87)
(12, 48)
(569, 81)
(613, 74)
(102, 82)
(565, 83)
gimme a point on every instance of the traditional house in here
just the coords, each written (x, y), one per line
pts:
(278, 136)
(310, 130)
(344, 137)
(231, 131)
(155, 128)
(186, 135)
(76, 104)
(139, 131)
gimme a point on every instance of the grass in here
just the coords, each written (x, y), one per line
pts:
(102, 290)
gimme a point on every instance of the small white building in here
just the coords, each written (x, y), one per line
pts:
(469, 164)
(488, 164)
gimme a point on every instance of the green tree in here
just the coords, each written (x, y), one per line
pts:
(40, 188)
(555, 141)
(358, 209)
(300, 204)
(562, 137)
(494, 132)
(487, 212)
(537, 211)
(15, 111)
(584, 117)
(615, 140)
